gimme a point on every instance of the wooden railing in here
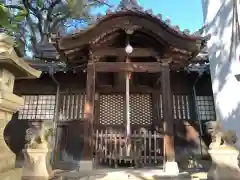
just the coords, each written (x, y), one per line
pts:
(144, 148)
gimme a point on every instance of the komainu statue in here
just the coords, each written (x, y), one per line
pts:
(37, 138)
(220, 138)
(37, 154)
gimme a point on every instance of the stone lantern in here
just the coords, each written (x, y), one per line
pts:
(11, 67)
(223, 152)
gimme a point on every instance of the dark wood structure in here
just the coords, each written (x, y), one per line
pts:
(103, 97)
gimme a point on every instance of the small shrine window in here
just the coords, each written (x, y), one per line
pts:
(72, 106)
(181, 107)
(41, 107)
(205, 107)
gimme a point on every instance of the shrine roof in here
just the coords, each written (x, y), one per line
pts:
(128, 15)
(131, 10)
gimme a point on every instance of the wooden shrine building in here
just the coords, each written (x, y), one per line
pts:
(119, 90)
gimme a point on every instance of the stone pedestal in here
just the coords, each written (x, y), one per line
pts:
(85, 165)
(11, 67)
(36, 164)
(224, 164)
(7, 157)
(171, 168)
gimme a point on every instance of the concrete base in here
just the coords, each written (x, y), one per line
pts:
(35, 178)
(85, 165)
(7, 159)
(224, 164)
(12, 174)
(171, 168)
(126, 174)
(36, 165)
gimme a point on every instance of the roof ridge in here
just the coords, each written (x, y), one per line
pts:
(129, 5)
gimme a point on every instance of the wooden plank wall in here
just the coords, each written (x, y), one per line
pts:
(185, 129)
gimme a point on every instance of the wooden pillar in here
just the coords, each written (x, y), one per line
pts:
(58, 143)
(89, 113)
(59, 139)
(168, 124)
(156, 123)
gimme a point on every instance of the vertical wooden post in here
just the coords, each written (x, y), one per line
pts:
(156, 123)
(128, 123)
(55, 128)
(169, 154)
(59, 143)
(59, 130)
(89, 113)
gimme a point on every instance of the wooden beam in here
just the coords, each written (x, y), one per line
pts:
(89, 113)
(169, 152)
(119, 79)
(137, 52)
(151, 67)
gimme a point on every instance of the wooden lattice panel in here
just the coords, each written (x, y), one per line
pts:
(38, 107)
(206, 110)
(111, 109)
(141, 109)
(72, 106)
(181, 107)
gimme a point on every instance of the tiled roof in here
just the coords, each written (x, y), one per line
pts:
(133, 6)
(130, 7)
(46, 49)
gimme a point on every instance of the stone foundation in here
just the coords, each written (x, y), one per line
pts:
(171, 168)
(11, 174)
(224, 164)
(36, 164)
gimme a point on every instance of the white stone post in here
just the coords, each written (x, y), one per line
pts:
(36, 164)
(224, 164)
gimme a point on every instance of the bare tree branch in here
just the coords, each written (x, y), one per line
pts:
(14, 7)
(103, 2)
(36, 12)
(33, 37)
(57, 13)
(49, 13)
(57, 21)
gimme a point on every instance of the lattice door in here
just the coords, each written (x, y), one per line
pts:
(141, 109)
(111, 109)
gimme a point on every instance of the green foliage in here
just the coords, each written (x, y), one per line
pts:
(8, 21)
(40, 3)
(74, 6)
(42, 17)
(4, 14)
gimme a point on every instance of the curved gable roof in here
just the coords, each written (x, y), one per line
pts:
(130, 14)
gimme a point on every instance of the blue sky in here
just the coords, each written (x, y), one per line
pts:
(185, 13)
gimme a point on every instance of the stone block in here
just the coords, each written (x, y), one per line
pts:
(85, 165)
(36, 164)
(11, 174)
(171, 168)
(224, 164)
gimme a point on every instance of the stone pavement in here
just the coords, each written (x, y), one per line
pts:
(127, 174)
